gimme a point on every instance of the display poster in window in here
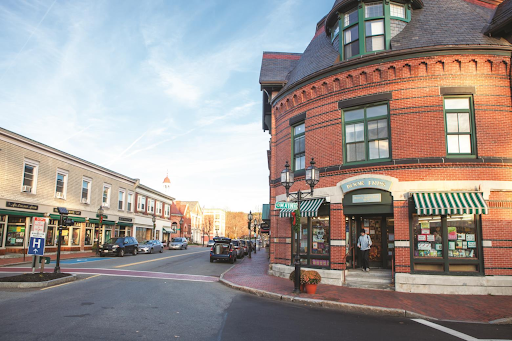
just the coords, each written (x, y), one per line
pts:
(451, 245)
(392, 237)
(425, 225)
(470, 237)
(461, 236)
(372, 231)
(464, 245)
(431, 238)
(452, 233)
(315, 246)
(425, 231)
(471, 245)
(367, 230)
(366, 222)
(422, 237)
(439, 247)
(391, 245)
(458, 244)
(424, 246)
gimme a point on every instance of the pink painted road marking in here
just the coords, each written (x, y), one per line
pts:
(123, 273)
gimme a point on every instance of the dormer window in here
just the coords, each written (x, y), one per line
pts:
(369, 27)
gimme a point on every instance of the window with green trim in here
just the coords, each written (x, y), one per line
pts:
(366, 134)
(460, 137)
(335, 31)
(368, 27)
(299, 147)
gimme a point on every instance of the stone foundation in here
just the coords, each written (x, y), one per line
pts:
(332, 277)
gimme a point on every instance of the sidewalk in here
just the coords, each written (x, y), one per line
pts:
(53, 256)
(252, 274)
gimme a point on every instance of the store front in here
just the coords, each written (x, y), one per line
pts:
(314, 234)
(15, 229)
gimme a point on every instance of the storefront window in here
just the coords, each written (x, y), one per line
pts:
(65, 237)
(2, 227)
(75, 236)
(15, 231)
(320, 237)
(304, 236)
(428, 237)
(462, 241)
(50, 235)
(88, 237)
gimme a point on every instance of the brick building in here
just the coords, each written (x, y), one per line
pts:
(406, 108)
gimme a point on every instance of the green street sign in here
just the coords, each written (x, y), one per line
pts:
(286, 205)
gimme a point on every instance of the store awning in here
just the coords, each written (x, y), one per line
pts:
(308, 208)
(265, 212)
(122, 223)
(22, 213)
(75, 219)
(446, 203)
(166, 230)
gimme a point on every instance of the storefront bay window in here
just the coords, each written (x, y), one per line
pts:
(315, 240)
(369, 27)
(451, 242)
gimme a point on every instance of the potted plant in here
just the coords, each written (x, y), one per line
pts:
(311, 279)
(302, 279)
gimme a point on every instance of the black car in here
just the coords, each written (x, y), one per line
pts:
(222, 249)
(119, 246)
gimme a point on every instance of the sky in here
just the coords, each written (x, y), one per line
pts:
(149, 87)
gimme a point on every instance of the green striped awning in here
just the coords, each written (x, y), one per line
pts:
(446, 203)
(308, 208)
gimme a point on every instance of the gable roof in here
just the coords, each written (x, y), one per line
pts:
(502, 17)
(276, 66)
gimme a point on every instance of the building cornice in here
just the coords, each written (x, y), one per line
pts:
(390, 56)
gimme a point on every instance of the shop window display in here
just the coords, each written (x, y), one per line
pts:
(88, 237)
(314, 237)
(373, 228)
(428, 237)
(15, 231)
(320, 236)
(75, 237)
(50, 235)
(462, 241)
(2, 227)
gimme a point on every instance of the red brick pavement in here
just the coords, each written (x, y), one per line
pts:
(252, 273)
(28, 259)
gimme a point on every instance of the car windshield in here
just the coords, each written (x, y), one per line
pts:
(235, 242)
(114, 241)
(177, 240)
(147, 242)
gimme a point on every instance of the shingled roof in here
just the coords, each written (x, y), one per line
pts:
(276, 66)
(502, 17)
(433, 23)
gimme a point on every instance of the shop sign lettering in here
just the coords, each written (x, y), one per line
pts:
(366, 198)
(366, 183)
(286, 205)
(71, 212)
(20, 205)
(129, 220)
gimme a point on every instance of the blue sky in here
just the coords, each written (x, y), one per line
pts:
(142, 87)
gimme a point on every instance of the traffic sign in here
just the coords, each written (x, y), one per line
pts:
(286, 205)
(36, 246)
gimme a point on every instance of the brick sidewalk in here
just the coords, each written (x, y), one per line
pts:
(28, 259)
(252, 273)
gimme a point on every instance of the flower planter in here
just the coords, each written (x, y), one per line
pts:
(311, 288)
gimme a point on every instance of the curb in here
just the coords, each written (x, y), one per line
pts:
(27, 285)
(506, 320)
(348, 307)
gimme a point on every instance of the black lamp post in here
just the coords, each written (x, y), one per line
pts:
(100, 215)
(181, 227)
(63, 214)
(256, 223)
(312, 178)
(153, 219)
(249, 218)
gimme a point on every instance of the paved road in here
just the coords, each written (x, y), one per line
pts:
(126, 308)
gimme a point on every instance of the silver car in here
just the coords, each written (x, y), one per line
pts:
(210, 243)
(151, 246)
(237, 246)
(178, 244)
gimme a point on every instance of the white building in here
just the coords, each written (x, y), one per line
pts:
(217, 218)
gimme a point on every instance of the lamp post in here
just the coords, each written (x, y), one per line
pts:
(181, 227)
(249, 218)
(153, 219)
(100, 215)
(287, 179)
(256, 223)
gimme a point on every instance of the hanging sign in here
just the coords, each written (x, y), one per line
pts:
(286, 205)
(21, 205)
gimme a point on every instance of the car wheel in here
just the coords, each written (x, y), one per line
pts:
(101, 254)
(151, 250)
(135, 250)
(231, 260)
(211, 260)
(186, 247)
(121, 253)
(161, 249)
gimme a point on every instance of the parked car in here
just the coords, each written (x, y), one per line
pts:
(240, 253)
(210, 243)
(178, 244)
(119, 246)
(245, 247)
(150, 246)
(222, 249)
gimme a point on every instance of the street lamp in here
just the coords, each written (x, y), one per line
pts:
(181, 227)
(312, 178)
(100, 215)
(153, 219)
(249, 218)
(256, 224)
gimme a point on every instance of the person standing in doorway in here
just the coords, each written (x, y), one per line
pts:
(363, 243)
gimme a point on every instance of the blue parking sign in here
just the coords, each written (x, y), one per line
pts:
(36, 246)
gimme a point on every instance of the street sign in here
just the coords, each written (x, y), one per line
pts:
(38, 228)
(36, 246)
(286, 205)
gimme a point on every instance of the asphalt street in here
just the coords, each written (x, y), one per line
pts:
(101, 307)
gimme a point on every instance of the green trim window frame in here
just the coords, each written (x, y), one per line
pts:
(366, 134)
(459, 126)
(335, 31)
(450, 245)
(299, 146)
(367, 28)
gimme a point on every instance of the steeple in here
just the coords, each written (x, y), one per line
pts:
(167, 184)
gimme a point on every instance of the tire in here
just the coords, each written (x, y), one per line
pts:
(231, 261)
(101, 254)
(135, 252)
(161, 250)
(211, 260)
(121, 253)
(186, 247)
(151, 251)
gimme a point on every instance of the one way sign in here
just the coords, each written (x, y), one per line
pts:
(36, 246)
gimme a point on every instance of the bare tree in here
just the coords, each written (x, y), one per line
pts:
(208, 225)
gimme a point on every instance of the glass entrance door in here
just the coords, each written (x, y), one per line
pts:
(378, 230)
